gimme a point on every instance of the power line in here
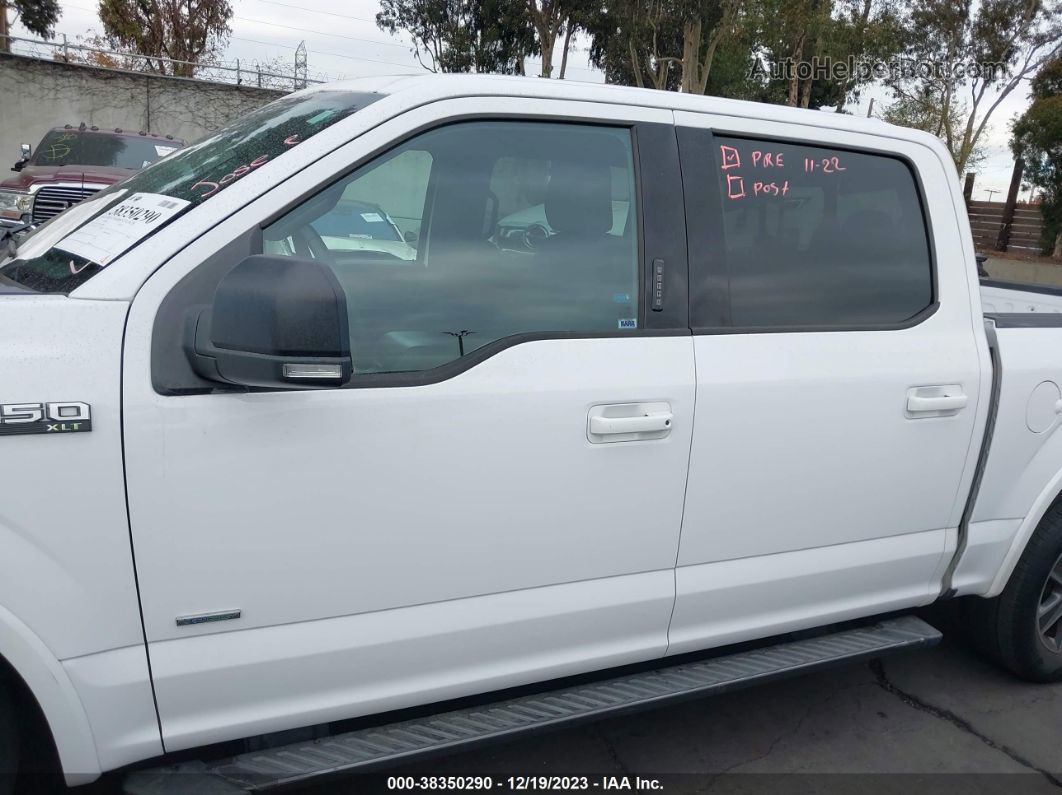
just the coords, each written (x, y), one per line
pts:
(322, 33)
(316, 11)
(323, 52)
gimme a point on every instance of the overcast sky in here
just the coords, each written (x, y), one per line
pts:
(347, 43)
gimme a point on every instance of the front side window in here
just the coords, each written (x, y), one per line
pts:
(476, 232)
(820, 237)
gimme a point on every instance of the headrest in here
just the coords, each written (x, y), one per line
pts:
(579, 198)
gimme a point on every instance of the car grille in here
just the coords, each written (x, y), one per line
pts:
(51, 200)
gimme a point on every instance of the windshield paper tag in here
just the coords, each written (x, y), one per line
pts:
(110, 235)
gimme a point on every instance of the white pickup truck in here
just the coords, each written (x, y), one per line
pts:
(436, 392)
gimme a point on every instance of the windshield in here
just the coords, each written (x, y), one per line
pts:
(56, 258)
(77, 148)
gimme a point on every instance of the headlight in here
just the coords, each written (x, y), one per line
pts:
(14, 204)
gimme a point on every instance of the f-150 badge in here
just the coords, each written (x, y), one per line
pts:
(61, 417)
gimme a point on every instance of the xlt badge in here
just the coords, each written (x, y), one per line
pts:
(60, 417)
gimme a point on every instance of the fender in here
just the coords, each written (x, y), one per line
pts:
(1028, 526)
(55, 693)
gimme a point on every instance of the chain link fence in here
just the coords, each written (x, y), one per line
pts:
(274, 74)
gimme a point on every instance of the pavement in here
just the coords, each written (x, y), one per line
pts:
(1042, 271)
(936, 720)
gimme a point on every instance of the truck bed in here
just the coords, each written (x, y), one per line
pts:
(1017, 298)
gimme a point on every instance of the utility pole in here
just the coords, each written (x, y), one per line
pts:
(5, 42)
(300, 65)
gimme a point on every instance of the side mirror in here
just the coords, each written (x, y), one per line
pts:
(27, 150)
(410, 236)
(275, 322)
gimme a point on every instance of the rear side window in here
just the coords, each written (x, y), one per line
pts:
(814, 237)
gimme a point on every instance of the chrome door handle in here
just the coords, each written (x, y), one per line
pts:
(648, 423)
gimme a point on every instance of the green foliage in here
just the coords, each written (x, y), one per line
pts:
(37, 16)
(462, 36)
(1037, 139)
(184, 30)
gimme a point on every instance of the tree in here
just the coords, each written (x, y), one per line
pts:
(970, 58)
(817, 53)
(664, 44)
(548, 17)
(462, 36)
(929, 112)
(192, 31)
(36, 16)
(1037, 139)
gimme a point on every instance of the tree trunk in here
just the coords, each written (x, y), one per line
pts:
(5, 44)
(547, 57)
(1057, 253)
(567, 42)
(636, 64)
(793, 95)
(691, 48)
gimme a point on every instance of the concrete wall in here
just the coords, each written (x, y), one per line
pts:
(36, 95)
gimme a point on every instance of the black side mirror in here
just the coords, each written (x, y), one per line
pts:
(275, 322)
(19, 165)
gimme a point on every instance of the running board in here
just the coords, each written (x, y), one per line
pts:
(360, 750)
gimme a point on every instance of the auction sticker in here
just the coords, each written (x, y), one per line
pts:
(110, 235)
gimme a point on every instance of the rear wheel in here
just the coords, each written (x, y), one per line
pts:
(9, 743)
(1022, 627)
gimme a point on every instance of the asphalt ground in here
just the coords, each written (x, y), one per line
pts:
(939, 720)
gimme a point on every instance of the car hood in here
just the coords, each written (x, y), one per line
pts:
(81, 175)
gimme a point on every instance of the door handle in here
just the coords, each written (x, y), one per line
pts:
(935, 401)
(917, 404)
(648, 423)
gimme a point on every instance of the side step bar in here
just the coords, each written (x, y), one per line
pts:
(360, 750)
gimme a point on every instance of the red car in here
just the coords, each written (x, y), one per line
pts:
(70, 164)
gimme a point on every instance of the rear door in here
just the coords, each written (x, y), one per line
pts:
(838, 378)
(495, 498)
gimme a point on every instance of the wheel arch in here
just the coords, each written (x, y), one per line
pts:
(1049, 497)
(43, 677)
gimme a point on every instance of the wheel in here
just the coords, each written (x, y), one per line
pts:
(1022, 627)
(9, 743)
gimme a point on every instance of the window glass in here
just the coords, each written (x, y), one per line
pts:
(474, 232)
(820, 237)
(87, 148)
(194, 174)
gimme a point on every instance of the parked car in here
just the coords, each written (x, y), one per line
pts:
(72, 163)
(293, 480)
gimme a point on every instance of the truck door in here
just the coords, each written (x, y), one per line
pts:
(495, 497)
(838, 378)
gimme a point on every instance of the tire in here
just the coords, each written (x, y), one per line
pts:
(1021, 629)
(9, 743)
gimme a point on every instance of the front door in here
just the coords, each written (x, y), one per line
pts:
(486, 503)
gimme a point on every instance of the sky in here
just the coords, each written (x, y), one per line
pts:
(342, 40)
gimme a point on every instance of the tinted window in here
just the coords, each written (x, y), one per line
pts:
(74, 147)
(817, 237)
(475, 232)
